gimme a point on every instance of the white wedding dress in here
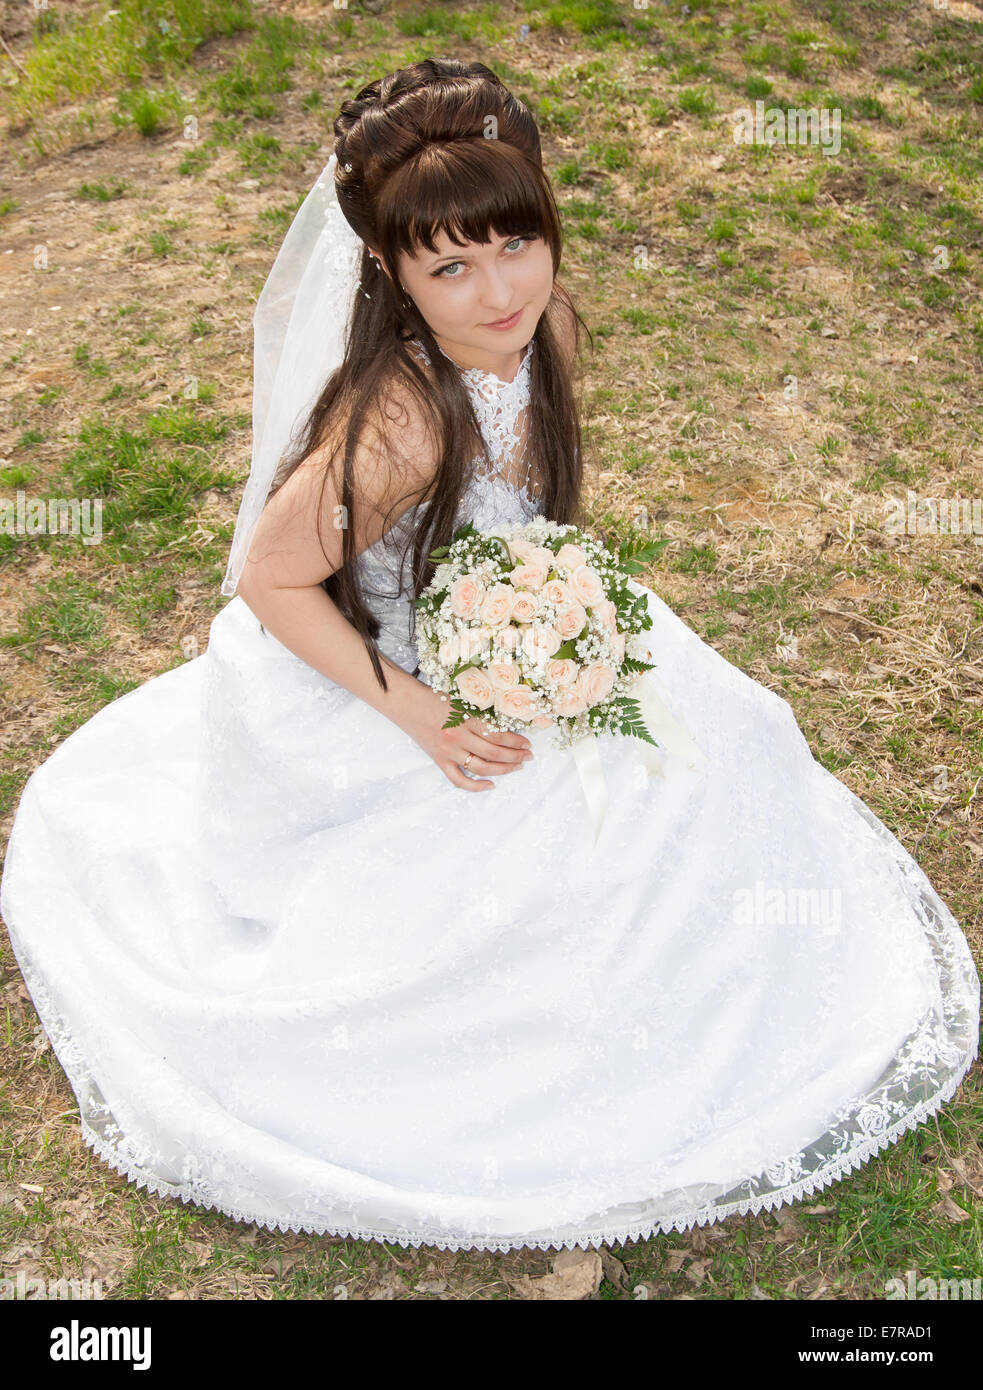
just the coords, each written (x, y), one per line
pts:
(294, 974)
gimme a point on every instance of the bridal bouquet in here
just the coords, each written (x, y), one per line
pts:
(534, 624)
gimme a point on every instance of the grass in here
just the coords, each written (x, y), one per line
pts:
(786, 341)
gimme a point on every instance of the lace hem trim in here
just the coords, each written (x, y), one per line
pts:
(705, 1215)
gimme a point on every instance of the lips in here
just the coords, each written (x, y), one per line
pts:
(505, 323)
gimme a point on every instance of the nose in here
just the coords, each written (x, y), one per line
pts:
(496, 295)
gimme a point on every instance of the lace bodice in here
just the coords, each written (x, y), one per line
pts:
(498, 490)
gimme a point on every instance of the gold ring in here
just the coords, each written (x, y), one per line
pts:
(467, 760)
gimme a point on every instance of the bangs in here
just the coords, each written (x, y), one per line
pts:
(468, 190)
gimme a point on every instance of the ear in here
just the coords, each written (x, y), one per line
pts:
(378, 260)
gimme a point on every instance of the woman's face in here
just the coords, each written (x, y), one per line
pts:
(462, 291)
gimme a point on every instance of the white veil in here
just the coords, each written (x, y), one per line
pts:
(299, 330)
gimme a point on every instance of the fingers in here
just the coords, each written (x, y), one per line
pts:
(512, 745)
(489, 767)
(462, 780)
(516, 743)
(504, 738)
(487, 754)
(513, 757)
(479, 769)
(498, 757)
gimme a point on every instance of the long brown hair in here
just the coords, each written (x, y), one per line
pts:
(415, 157)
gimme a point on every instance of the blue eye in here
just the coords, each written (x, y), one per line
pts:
(526, 236)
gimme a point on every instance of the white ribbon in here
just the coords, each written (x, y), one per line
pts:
(671, 735)
(587, 757)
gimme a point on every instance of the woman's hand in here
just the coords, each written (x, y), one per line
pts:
(494, 753)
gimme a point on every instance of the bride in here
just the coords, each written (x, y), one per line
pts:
(296, 961)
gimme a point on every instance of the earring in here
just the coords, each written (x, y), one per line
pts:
(404, 299)
(375, 259)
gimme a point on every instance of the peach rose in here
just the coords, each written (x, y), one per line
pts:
(521, 550)
(597, 682)
(505, 675)
(570, 621)
(467, 593)
(587, 586)
(520, 703)
(570, 700)
(528, 576)
(570, 556)
(557, 591)
(525, 606)
(618, 646)
(476, 688)
(496, 606)
(540, 640)
(474, 641)
(508, 639)
(449, 651)
(528, 554)
(562, 670)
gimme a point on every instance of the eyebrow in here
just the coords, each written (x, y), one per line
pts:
(461, 257)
